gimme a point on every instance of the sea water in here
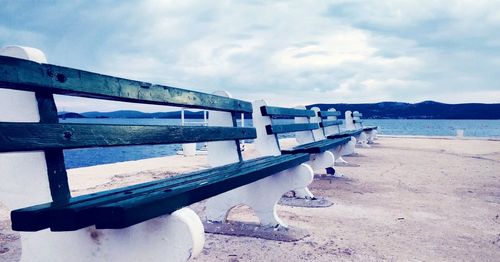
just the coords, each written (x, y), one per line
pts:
(96, 156)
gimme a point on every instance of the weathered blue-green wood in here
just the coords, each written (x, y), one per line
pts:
(357, 114)
(177, 191)
(234, 116)
(54, 158)
(328, 113)
(318, 146)
(125, 206)
(347, 133)
(289, 128)
(129, 212)
(71, 215)
(357, 121)
(30, 76)
(283, 111)
(35, 136)
(330, 123)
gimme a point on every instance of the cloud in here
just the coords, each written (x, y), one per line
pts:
(287, 52)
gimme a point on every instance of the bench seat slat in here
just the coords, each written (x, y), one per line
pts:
(80, 211)
(346, 133)
(38, 217)
(331, 123)
(129, 212)
(318, 146)
(356, 121)
(288, 128)
(79, 215)
(329, 113)
(37, 136)
(283, 111)
(26, 75)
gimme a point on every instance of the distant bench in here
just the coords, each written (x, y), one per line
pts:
(306, 129)
(354, 122)
(36, 186)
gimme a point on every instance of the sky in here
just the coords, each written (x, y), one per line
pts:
(288, 53)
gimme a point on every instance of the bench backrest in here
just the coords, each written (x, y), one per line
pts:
(353, 120)
(45, 133)
(330, 122)
(305, 127)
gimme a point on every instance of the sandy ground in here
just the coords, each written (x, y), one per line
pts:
(409, 200)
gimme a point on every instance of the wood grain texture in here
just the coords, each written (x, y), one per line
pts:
(35, 136)
(26, 75)
(142, 199)
(330, 123)
(283, 111)
(328, 113)
(318, 146)
(289, 128)
(129, 212)
(347, 133)
(54, 158)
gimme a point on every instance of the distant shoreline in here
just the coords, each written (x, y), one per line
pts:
(384, 110)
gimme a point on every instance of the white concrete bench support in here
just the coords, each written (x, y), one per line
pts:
(362, 139)
(371, 135)
(23, 176)
(321, 134)
(345, 150)
(262, 195)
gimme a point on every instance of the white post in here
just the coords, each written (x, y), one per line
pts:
(242, 125)
(188, 149)
(182, 116)
(349, 121)
(356, 117)
(24, 182)
(303, 137)
(330, 130)
(262, 195)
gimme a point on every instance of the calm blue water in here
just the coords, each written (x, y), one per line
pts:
(95, 156)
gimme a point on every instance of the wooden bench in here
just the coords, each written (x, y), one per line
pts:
(306, 131)
(354, 122)
(35, 184)
(330, 126)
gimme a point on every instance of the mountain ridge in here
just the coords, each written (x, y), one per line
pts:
(380, 110)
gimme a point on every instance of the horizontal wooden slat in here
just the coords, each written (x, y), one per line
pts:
(125, 208)
(331, 123)
(318, 146)
(283, 111)
(74, 213)
(280, 129)
(345, 134)
(37, 136)
(358, 121)
(328, 113)
(357, 114)
(129, 212)
(30, 76)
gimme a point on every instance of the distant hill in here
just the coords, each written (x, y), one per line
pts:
(138, 114)
(423, 110)
(70, 115)
(390, 110)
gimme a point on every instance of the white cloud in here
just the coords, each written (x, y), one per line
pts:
(288, 52)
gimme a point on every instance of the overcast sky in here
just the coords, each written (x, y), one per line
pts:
(286, 52)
